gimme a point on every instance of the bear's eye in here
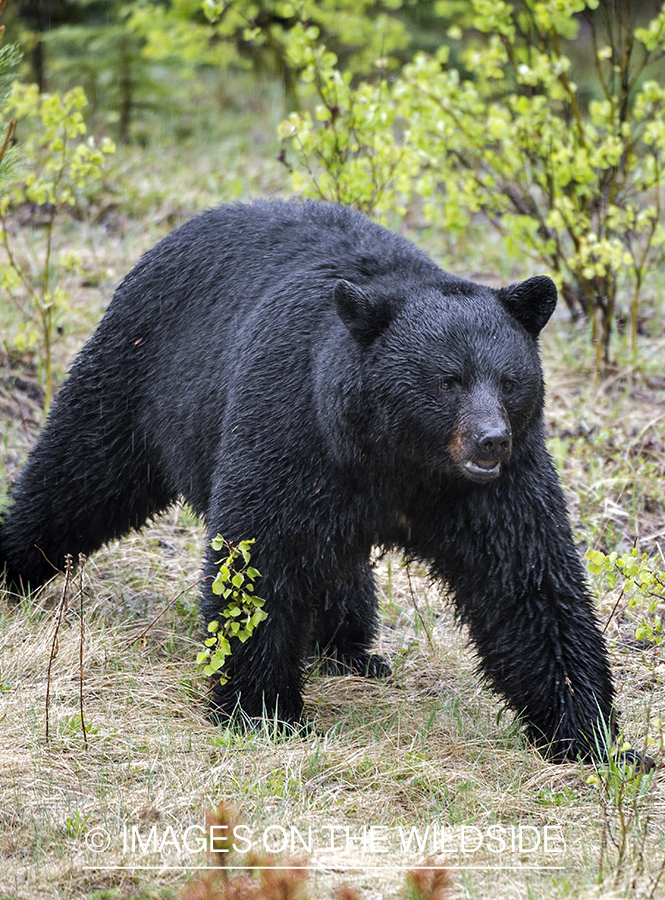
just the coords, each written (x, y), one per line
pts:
(508, 386)
(447, 384)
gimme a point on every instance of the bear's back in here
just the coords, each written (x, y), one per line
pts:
(263, 239)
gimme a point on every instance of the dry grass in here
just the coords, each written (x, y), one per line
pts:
(422, 749)
(428, 748)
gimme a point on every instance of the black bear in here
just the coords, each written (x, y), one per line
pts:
(306, 378)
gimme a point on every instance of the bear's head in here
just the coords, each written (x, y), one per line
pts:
(451, 372)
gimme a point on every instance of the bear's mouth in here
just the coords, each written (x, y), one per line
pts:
(482, 469)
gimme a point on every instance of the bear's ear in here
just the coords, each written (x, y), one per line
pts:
(531, 302)
(365, 316)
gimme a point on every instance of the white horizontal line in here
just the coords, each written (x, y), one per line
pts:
(330, 868)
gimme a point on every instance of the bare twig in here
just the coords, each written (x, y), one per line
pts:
(417, 608)
(8, 137)
(162, 611)
(69, 566)
(82, 639)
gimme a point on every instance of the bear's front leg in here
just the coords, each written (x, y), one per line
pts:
(265, 672)
(519, 586)
(543, 651)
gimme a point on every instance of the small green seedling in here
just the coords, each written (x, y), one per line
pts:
(641, 580)
(243, 611)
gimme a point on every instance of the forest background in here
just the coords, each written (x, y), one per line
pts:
(505, 139)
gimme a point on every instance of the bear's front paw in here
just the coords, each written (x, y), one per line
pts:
(576, 749)
(643, 764)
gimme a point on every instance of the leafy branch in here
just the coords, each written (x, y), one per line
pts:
(243, 611)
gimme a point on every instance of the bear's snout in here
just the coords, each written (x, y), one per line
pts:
(494, 443)
(486, 452)
(482, 446)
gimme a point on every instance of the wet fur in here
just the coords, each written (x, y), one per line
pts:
(280, 366)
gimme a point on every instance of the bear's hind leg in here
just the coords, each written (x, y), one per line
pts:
(347, 626)
(91, 477)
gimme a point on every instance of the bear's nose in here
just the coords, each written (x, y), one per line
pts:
(494, 443)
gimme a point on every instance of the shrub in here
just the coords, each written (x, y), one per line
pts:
(504, 132)
(58, 169)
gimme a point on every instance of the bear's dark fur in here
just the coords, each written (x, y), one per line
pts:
(306, 378)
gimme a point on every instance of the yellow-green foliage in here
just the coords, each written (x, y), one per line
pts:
(367, 30)
(347, 149)
(59, 168)
(502, 131)
(243, 611)
(364, 30)
(641, 581)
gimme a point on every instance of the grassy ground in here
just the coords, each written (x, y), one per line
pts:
(107, 816)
